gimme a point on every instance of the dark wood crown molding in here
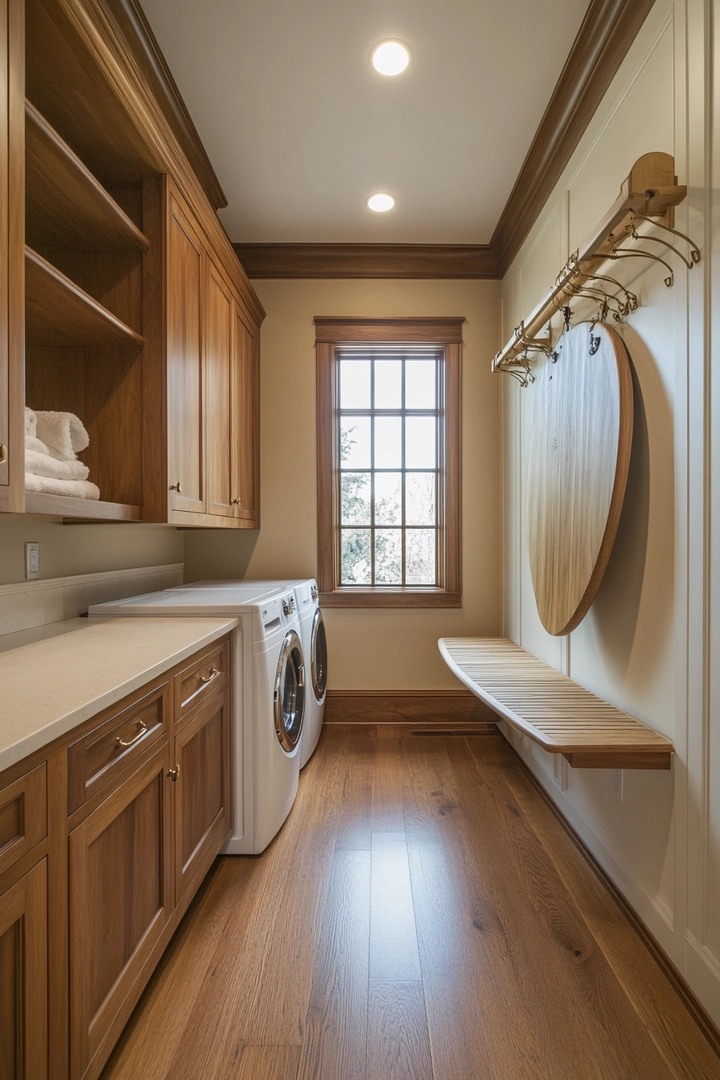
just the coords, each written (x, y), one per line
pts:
(146, 52)
(607, 32)
(368, 260)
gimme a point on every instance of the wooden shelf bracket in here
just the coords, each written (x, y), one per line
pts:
(647, 198)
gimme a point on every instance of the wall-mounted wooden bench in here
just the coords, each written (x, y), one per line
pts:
(552, 710)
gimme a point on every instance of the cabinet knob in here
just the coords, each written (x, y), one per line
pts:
(174, 773)
(3, 455)
(236, 502)
(176, 487)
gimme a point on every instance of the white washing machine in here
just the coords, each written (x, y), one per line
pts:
(269, 701)
(314, 643)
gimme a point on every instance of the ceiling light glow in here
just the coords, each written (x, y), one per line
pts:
(390, 57)
(381, 202)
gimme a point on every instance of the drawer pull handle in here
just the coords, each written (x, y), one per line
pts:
(176, 487)
(174, 773)
(141, 729)
(205, 679)
(3, 453)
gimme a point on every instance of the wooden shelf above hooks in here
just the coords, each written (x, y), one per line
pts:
(649, 191)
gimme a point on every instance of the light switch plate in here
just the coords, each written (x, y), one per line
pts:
(32, 560)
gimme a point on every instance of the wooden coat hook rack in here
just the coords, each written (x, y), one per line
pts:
(649, 194)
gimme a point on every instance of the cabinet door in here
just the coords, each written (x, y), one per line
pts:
(246, 414)
(185, 389)
(121, 897)
(217, 338)
(203, 795)
(23, 978)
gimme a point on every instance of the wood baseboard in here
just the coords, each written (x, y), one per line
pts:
(695, 1007)
(441, 708)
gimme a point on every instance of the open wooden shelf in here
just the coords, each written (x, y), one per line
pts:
(66, 207)
(58, 312)
(552, 710)
(76, 509)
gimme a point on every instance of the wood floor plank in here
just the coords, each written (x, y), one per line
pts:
(267, 1063)
(387, 802)
(481, 990)
(394, 955)
(398, 1040)
(334, 1043)
(649, 992)
(595, 998)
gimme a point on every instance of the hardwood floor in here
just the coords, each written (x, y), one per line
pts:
(422, 915)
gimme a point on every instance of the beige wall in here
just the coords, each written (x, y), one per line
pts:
(644, 643)
(83, 549)
(367, 649)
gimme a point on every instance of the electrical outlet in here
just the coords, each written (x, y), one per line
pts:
(32, 561)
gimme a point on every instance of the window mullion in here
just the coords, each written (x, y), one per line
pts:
(372, 472)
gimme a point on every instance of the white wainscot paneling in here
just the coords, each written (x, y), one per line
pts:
(642, 122)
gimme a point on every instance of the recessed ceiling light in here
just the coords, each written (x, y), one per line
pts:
(390, 57)
(381, 202)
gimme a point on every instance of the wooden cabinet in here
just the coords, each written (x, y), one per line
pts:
(105, 836)
(122, 315)
(141, 843)
(202, 789)
(202, 373)
(185, 390)
(121, 898)
(24, 977)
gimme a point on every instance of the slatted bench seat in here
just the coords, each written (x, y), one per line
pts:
(552, 710)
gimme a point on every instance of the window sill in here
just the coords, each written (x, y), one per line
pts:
(390, 598)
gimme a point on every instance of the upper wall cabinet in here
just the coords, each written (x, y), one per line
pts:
(201, 375)
(132, 289)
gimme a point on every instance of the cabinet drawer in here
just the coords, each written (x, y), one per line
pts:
(23, 816)
(202, 676)
(96, 759)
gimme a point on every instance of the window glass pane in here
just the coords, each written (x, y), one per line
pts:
(388, 557)
(388, 499)
(420, 557)
(355, 499)
(420, 384)
(356, 562)
(420, 498)
(388, 442)
(355, 442)
(420, 434)
(388, 384)
(354, 384)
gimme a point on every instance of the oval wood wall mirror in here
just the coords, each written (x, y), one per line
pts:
(577, 472)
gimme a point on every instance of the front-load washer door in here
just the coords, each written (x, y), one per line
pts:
(318, 657)
(289, 695)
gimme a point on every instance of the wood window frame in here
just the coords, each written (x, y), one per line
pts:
(444, 331)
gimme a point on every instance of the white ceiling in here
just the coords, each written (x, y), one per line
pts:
(300, 128)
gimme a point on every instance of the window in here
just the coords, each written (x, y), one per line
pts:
(389, 462)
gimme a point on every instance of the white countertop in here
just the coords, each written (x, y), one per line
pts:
(54, 677)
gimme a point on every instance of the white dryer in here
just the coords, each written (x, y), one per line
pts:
(314, 643)
(269, 702)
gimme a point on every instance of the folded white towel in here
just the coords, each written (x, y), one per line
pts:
(49, 485)
(63, 434)
(41, 464)
(30, 423)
